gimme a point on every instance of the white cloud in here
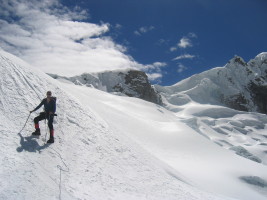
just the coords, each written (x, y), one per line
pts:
(163, 42)
(137, 33)
(181, 68)
(173, 48)
(192, 35)
(143, 30)
(185, 42)
(154, 71)
(155, 65)
(184, 56)
(118, 26)
(50, 36)
(154, 76)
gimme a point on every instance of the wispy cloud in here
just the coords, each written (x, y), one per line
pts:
(162, 42)
(118, 26)
(154, 76)
(143, 30)
(181, 68)
(56, 39)
(184, 56)
(154, 71)
(192, 35)
(184, 42)
(173, 49)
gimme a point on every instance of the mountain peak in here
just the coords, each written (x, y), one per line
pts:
(237, 60)
(238, 85)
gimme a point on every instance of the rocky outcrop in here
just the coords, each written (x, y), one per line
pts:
(132, 83)
(237, 102)
(136, 84)
(259, 96)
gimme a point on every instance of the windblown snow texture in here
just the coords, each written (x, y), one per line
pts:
(96, 162)
(113, 147)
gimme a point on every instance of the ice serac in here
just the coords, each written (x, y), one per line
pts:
(238, 85)
(132, 83)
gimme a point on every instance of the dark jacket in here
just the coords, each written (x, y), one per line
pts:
(48, 107)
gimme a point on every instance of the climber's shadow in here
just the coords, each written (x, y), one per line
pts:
(30, 144)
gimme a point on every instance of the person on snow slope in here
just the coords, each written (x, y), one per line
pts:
(49, 104)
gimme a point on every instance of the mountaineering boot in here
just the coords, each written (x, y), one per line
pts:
(37, 132)
(51, 139)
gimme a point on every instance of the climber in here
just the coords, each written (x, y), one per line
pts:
(49, 104)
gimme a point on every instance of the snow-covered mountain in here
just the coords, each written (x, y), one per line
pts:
(238, 85)
(89, 159)
(117, 147)
(132, 83)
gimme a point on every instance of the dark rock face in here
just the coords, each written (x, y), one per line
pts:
(137, 85)
(259, 95)
(237, 102)
(251, 85)
(132, 83)
(239, 60)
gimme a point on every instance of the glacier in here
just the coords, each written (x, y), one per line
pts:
(117, 147)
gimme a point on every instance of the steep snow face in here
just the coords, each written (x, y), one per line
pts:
(129, 82)
(177, 140)
(238, 85)
(89, 159)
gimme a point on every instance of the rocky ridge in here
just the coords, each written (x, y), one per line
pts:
(129, 82)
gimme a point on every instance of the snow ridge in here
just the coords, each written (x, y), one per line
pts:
(238, 85)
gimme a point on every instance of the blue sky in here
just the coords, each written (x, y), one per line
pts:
(169, 39)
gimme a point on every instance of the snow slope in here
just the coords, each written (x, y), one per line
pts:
(168, 137)
(94, 155)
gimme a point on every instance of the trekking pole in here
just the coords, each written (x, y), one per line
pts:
(25, 122)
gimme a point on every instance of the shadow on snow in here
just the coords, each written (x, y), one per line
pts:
(30, 144)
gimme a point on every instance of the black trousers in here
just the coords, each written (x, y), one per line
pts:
(42, 116)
